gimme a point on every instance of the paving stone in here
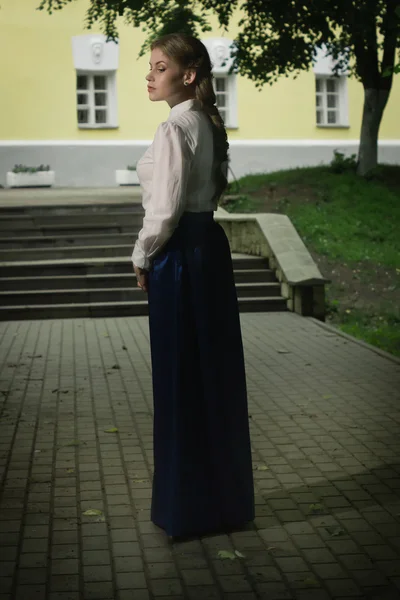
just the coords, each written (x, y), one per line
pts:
(30, 592)
(98, 591)
(343, 587)
(64, 583)
(126, 549)
(197, 577)
(131, 581)
(353, 545)
(166, 587)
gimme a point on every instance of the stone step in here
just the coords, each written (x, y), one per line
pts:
(61, 229)
(10, 222)
(65, 252)
(109, 280)
(71, 208)
(77, 239)
(126, 294)
(120, 309)
(99, 266)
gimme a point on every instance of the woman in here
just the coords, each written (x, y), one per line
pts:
(203, 480)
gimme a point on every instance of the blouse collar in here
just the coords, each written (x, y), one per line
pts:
(180, 108)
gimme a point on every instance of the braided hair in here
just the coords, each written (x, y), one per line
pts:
(190, 53)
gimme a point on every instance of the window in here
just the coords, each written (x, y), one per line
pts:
(94, 92)
(224, 81)
(96, 65)
(331, 103)
(225, 92)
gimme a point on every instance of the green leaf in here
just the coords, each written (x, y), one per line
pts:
(73, 443)
(226, 554)
(93, 512)
(262, 468)
(111, 430)
(316, 508)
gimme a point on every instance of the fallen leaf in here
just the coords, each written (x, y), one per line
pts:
(239, 554)
(70, 470)
(93, 512)
(283, 351)
(316, 508)
(335, 531)
(111, 430)
(73, 443)
(140, 480)
(226, 554)
(310, 581)
(115, 367)
(262, 468)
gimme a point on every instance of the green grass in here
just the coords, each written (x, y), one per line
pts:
(344, 217)
(350, 218)
(382, 331)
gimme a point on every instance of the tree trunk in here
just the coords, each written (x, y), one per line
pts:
(375, 101)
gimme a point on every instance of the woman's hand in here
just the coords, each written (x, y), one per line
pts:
(142, 277)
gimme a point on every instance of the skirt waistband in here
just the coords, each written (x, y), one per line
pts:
(196, 217)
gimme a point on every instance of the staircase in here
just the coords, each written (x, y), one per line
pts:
(74, 261)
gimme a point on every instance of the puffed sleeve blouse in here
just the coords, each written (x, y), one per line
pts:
(175, 174)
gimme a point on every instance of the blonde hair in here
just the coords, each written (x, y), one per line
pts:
(190, 53)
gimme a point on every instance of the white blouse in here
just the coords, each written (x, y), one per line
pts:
(176, 176)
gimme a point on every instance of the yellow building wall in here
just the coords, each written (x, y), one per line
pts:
(38, 97)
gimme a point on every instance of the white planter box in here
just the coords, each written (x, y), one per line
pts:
(39, 179)
(126, 177)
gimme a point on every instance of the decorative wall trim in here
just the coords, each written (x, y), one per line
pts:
(219, 49)
(258, 142)
(91, 52)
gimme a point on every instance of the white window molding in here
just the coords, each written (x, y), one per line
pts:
(224, 81)
(96, 100)
(331, 93)
(331, 100)
(96, 64)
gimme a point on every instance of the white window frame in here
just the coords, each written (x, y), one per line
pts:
(231, 118)
(111, 90)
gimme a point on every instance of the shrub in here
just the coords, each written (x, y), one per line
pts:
(25, 169)
(341, 163)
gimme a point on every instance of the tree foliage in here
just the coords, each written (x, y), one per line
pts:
(276, 37)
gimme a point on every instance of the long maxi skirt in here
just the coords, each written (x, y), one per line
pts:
(203, 477)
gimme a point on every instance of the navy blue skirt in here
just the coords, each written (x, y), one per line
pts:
(203, 477)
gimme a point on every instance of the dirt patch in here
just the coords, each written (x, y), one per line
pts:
(359, 286)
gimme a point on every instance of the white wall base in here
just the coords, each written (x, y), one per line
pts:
(94, 163)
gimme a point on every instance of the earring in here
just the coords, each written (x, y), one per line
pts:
(185, 83)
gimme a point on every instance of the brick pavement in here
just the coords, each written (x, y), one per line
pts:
(325, 416)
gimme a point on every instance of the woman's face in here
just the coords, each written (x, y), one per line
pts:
(165, 80)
